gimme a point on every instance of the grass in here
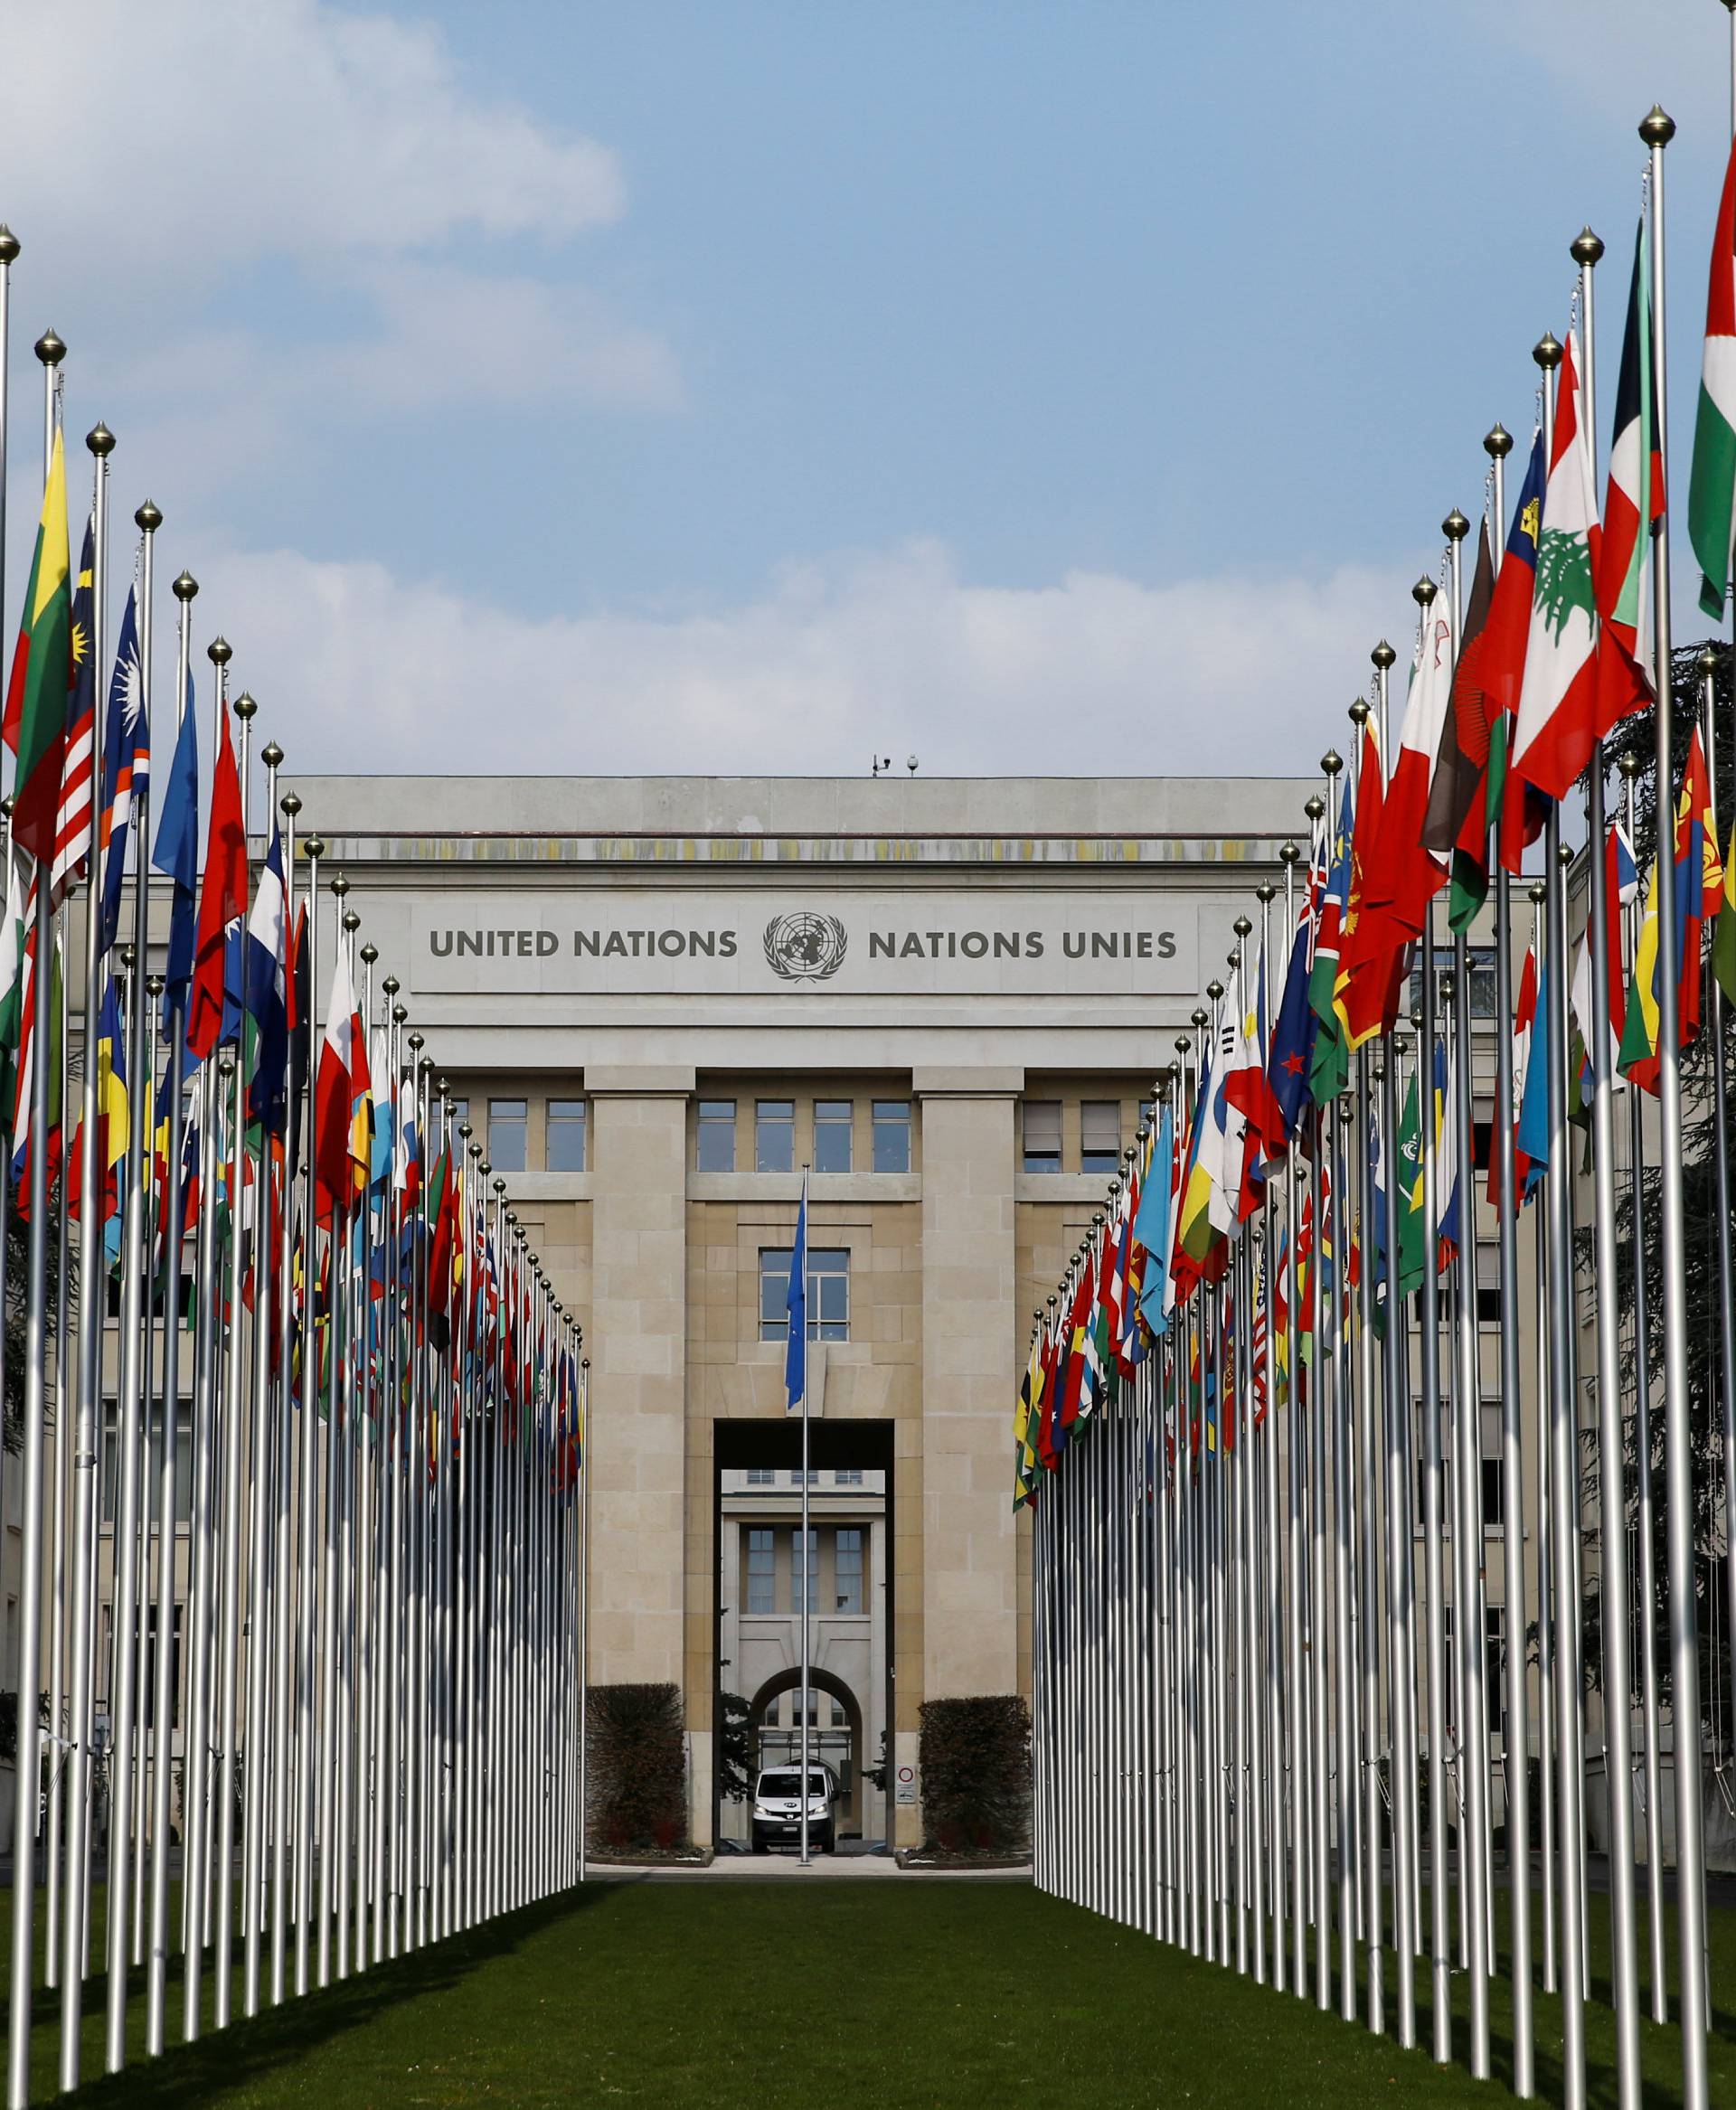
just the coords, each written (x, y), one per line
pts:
(846, 1993)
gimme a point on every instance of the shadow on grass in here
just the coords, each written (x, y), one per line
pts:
(251, 2052)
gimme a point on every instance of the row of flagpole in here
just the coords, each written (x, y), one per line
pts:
(365, 1644)
(1251, 1419)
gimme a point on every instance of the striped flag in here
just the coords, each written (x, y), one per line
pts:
(1632, 501)
(79, 763)
(1711, 481)
(126, 766)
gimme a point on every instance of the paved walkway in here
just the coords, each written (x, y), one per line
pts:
(785, 1868)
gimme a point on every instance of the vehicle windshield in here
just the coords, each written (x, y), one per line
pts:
(791, 1784)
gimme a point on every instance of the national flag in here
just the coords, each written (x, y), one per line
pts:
(1401, 875)
(1151, 1223)
(268, 995)
(795, 1306)
(112, 1104)
(1699, 879)
(1291, 1052)
(23, 1112)
(1621, 884)
(1524, 1015)
(126, 766)
(1558, 706)
(1456, 790)
(223, 901)
(1531, 1140)
(1633, 501)
(1447, 1208)
(1711, 481)
(1723, 946)
(1329, 1067)
(1377, 996)
(11, 974)
(332, 1174)
(78, 761)
(34, 727)
(177, 855)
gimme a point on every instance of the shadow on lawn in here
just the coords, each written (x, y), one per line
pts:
(251, 2051)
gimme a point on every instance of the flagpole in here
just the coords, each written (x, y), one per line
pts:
(286, 1574)
(9, 249)
(51, 352)
(800, 1317)
(308, 1463)
(1656, 130)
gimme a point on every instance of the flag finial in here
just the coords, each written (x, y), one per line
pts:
(99, 441)
(1586, 247)
(1455, 527)
(148, 519)
(9, 244)
(51, 348)
(185, 587)
(1423, 592)
(1384, 656)
(1497, 442)
(1658, 127)
(1547, 351)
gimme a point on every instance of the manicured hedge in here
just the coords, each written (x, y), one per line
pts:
(974, 1757)
(635, 1769)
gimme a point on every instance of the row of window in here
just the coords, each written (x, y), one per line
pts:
(834, 1135)
(565, 1134)
(763, 1569)
(1099, 1135)
(765, 1476)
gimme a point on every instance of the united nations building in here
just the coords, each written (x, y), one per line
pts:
(657, 1002)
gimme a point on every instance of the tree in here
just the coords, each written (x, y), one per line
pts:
(734, 1748)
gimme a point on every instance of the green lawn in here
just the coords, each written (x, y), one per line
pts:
(822, 1993)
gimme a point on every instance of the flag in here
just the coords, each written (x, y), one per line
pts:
(795, 1305)
(126, 766)
(332, 1094)
(1329, 1070)
(1151, 1224)
(1698, 878)
(1620, 884)
(1558, 719)
(12, 975)
(1531, 1140)
(1724, 948)
(1456, 789)
(78, 761)
(1711, 481)
(222, 901)
(1491, 675)
(111, 1082)
(1291, 1054)
(35, 726)
(267, 996)
(1632, 501)
(177, 855)
(1361, 1009)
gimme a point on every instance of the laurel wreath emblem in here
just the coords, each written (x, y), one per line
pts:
(805, 947)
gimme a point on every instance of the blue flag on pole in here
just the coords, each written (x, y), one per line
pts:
(1532, 1135)
(796, 1304)
(177, 854)
(1151, 1226)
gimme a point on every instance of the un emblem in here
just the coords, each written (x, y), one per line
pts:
(801, 948)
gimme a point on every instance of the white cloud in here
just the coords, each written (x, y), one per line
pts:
(893, 652)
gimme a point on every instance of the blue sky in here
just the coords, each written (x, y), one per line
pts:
(754, 386)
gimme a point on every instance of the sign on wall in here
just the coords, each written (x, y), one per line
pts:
(987, 941)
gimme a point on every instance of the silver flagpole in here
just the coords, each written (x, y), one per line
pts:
(87, 1423)
(307, 1464)
(27, 1774)
(128, 1739)
(1320, 814)
(807, 1563)
(1644, 1516)
(260, 1574)
(235, 1461)
(1280, 1595)
(285, 1576)
(1498, 444)
(1658, 131)
(587, 1440)
(1373, 1810)
(150, 1431)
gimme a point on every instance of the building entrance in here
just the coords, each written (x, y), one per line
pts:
(762, 1570)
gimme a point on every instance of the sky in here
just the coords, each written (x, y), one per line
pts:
(749, 387)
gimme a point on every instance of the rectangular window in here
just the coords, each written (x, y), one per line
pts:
(761, 1476)
(460, 1114)
(892, 1135)
(568, 1122)
(774, 1136)
(761, 1571)
(716, 1135)
(848, 1476)
(833, 1121)
(813, 1475)
(506, 1134)
(152, 1486)
(1099, 1135)
(1042, 1136)
(846, 1571)
(802, 1569)
(828, 1294)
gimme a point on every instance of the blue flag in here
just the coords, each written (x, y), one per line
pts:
(126, 766)
(796, 1303)
(267, 1092)
(1532, 1135)
(177, 855)
(1151, 1226)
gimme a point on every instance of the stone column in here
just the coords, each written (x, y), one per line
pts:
(637, 1339)
(969, 1346)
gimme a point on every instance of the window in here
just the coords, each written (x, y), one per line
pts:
(848, 1476)
(506, 1134)
(832, 1124)
(774, 1136)
(795, 1476)
(798, 1566)
(1494, 1481)
(565, 1149)
(846, 1572)
(1099, 1135)
(716, 1135)
(828, 1294)
(460, 1114)
(761, 1571)
(152, 1481)
(892, 1135)
(1042, 1136)
(761, 1476)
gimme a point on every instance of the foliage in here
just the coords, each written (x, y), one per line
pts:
(1637, 737)
(9, 1724)
(636, 1767)
(734, 1748)
(975, 1758)
(17, 1302)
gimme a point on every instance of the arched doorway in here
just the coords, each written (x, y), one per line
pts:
(788, 1744)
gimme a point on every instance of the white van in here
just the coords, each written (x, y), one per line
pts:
(777, 1808)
